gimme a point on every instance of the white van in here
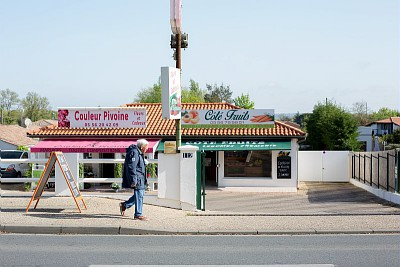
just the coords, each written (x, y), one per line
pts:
(13, 169)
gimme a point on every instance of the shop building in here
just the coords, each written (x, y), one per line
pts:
(250, 159)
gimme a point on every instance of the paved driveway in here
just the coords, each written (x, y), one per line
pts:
(311, 199)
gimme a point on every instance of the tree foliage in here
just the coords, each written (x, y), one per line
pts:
(384, 113)
(244, 101)
(301, 119)
(361, 113)
(36, 107)
(193, 94)
(8, 99)
(393, 138)
(150, 94)
(217, 93)
(330, 127)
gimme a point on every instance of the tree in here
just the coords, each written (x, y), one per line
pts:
(150, 95)
(7, 100)
(393, 138)
(244, 101)
(384, 113)
(360, 113)
(218, 93)
(301, 119)
(193, 94)
(36, 107)
(330, 127)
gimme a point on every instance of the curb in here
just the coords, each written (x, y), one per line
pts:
(113, 230)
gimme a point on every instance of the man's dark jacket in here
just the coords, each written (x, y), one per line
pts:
(134, 172)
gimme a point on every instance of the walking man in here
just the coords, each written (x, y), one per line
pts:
(134, 176)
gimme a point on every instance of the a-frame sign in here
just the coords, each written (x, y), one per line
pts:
(69, 178)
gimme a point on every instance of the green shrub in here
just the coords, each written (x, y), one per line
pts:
(118, 170)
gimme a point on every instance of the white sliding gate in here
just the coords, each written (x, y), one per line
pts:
(323, 166)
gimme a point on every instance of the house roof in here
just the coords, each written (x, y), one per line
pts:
(42, 123)
(159, 127)
(16, 135)
(394, 120)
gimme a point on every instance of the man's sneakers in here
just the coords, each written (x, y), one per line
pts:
(122, 208)
(140, 218)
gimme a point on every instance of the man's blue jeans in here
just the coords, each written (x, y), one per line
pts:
(137, 200)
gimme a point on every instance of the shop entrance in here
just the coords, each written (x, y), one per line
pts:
(211, 168)
(107, 169)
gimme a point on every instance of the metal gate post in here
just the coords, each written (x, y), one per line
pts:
(378, 170)
(397, 172)
(198, 180)
(387, 172)
(203, 178)
(359, 166)
(364, 168)
(370, 176)
(352, 165)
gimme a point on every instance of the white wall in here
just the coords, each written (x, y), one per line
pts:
(188, 172)
(365, 135)
(323, 166)
(168, 176)
(310, 166)
(177, 179)
(7, 146)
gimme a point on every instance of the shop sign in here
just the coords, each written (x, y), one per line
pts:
(228, 118)
(171, 92)
(239, 145)
(284, 163)
(102, 117)
(170, 147)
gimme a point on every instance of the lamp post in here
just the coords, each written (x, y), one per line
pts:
(178, 66)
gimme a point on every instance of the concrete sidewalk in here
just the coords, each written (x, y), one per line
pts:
(279, 213)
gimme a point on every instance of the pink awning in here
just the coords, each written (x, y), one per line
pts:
(89, 146)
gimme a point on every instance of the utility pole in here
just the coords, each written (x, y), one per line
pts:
(178, 66)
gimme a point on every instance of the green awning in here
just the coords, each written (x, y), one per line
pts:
(234, 145)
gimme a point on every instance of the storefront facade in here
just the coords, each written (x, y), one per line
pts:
(256, 159)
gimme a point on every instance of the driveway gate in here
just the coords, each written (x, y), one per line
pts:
(323, 166)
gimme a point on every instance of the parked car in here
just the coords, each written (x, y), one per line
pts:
(13, 169)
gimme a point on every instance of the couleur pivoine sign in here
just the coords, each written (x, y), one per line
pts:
(228, 118)
(102, 117)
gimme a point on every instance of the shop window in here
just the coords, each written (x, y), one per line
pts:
(248, 163)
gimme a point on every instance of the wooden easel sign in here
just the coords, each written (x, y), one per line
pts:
(73, 187)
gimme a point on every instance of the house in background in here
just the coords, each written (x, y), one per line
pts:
(377, 128)
(42, 123)
(13, 136)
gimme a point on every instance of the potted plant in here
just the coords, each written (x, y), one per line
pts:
(115, 187)
(151, 169)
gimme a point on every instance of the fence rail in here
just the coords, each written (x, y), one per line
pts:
(377, 169)
(152, 181)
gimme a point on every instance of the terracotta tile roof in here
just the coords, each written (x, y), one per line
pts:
(158, 127)
(16, 135)
(394, 120)
(42, 123)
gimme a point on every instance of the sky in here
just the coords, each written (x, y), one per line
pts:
(288, 55)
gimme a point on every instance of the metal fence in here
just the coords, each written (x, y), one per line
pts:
(377, 169)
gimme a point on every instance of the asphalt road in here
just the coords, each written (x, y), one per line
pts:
(86, 250)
